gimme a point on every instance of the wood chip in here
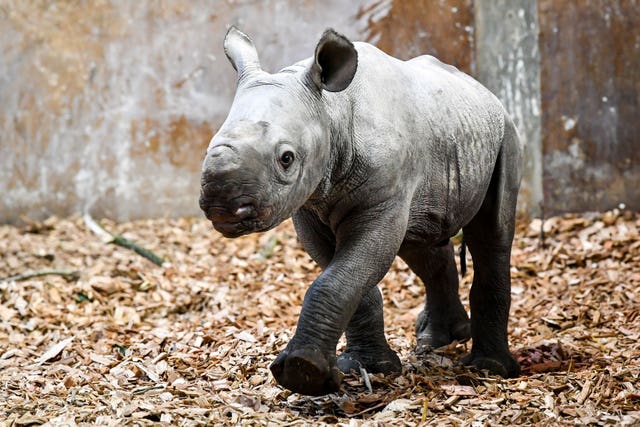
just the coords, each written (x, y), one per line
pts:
(53, 351)
(190, 343)
(458, 390)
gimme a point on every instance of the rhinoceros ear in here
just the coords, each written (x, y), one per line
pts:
(241, 52)
(335, 62)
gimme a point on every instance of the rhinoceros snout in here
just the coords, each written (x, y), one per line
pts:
(233, 189)
(234, 216)
(223, 176)
(221, 164)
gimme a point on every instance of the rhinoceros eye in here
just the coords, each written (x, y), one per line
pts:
(286, 159)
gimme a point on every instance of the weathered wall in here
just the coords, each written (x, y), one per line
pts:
(569, 74)
(105, 105)
(508, 63)
(109, 105)
(406, 29)
(590, 86)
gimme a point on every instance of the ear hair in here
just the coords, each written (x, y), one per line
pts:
(335, 62)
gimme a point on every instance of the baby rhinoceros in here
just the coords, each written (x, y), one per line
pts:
(373, 157)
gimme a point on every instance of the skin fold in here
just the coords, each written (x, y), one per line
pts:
(373, 158)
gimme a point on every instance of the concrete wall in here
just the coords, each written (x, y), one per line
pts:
(508, 63)
(108, 105)
(590, 86)
(105, 105)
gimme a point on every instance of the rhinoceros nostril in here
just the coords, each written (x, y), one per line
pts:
(246, 211)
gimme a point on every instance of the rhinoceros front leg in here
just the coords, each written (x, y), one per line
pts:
(367, 346)
(366, 245)
(443, 318)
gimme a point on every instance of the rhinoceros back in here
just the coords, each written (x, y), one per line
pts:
(443, 126)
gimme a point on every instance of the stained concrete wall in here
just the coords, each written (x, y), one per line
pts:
(590, 86)
(105, 105)
(108, 105)
(569, 74)
(508, 63)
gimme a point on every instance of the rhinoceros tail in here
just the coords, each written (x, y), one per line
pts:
(463, 258)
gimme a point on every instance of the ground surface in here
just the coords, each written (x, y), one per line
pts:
(124, 342)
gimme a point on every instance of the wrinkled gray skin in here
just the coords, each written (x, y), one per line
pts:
(373, 157)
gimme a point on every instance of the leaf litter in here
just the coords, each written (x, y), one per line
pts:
(125, 342)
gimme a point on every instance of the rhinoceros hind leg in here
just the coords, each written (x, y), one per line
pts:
(443, 319)
(367, 346)
(489, 236)
(430, 335)
(504, 364)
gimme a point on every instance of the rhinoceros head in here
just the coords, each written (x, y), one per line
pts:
(273, 149)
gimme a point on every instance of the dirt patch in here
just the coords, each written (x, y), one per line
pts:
(123, 342)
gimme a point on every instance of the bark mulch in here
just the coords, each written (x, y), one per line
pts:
(117, 340)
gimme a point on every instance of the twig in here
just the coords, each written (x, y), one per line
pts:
(425, 409)
(584, 393)
(365, 378)
(151, 256)
(108, 237)
(69, 275)
(143, 390)
(372, 408)
(103, 234)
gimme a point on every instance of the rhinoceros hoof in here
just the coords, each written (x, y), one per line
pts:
(430, 336)
(503, 364)
(375, 362)
(306, 371)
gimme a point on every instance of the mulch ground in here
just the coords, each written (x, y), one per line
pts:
(120, 341)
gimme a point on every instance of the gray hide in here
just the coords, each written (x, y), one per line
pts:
(373, 157)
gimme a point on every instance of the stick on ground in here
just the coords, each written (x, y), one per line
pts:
(69, 275)
(108, 237)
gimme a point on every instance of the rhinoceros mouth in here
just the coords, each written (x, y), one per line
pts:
(231, 226)
(237, 229)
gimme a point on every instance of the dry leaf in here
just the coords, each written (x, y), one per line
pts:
(53, 351)
(458, 390)
(191, 344)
